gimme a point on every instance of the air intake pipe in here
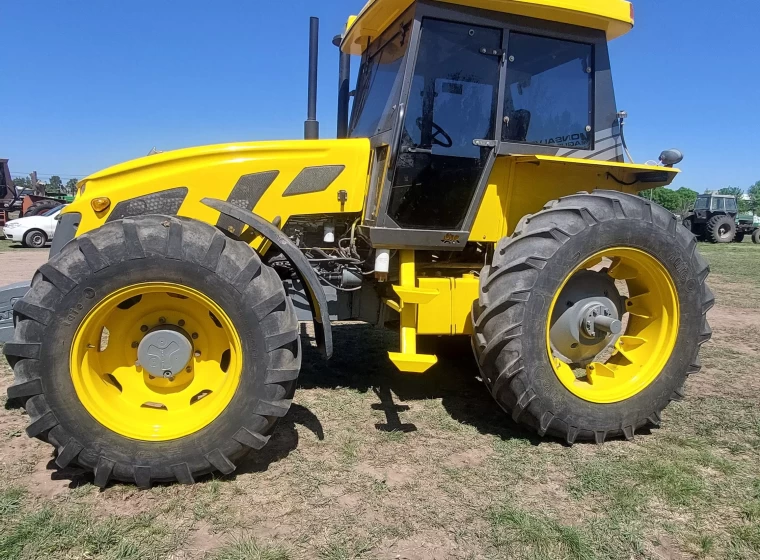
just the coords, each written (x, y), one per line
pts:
(344, 92)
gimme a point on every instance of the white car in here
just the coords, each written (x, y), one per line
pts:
(33, 231)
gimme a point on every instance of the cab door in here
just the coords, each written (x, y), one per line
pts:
(449, 125)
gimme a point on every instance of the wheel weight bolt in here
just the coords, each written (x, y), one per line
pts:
(188, 369)
(144, 328)
(195, 336)
(162, 320)
(135, 344)
(181, 322)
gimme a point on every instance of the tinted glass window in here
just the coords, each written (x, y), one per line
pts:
(549, 92)
(730, 205)
(719, 204)
(701, 204)
(453, 100)
(379, 84)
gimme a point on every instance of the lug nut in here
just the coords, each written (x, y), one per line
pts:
(188, 369)
(151, 377)
(181, 322)
(195, 335)
(197, 353)
(162, 320)
(144, 328)
(135, 344)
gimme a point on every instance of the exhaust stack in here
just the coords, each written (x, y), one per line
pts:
(311, 126)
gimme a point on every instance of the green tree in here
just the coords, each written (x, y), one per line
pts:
(667, 198)
(55, 183)
(687, 197)
(23, 182)
(71, 186)
(754, 197)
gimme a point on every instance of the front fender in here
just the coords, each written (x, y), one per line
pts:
(309, 278)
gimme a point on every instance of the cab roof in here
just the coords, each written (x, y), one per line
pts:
(614, 17)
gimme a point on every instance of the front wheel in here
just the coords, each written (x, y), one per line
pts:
(154, 349)
(756, 236)
(591, 316)
(35, 239)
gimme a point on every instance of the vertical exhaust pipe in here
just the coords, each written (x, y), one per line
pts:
(311, 126)
(344, 90)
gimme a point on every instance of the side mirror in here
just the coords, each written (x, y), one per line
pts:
(669, 158)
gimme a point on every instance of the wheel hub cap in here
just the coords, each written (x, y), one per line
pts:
(164, 352)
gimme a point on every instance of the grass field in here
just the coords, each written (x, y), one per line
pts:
(374, 464)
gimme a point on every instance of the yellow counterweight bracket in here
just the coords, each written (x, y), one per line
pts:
(408, 360)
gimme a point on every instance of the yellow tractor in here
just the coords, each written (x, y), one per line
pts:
(479, 188)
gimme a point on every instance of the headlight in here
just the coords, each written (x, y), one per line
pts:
(11, 225)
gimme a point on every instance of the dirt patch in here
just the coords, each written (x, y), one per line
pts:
(19, 266)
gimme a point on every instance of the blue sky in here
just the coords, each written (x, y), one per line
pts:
(90, 84)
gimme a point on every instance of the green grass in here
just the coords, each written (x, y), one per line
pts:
(249, 549)
(55, 530)
(737, 262)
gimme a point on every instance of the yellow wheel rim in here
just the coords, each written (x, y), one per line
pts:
(650, 328)
(120, 394)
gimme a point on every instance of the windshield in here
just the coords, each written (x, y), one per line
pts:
(379, 82)
(701, 204)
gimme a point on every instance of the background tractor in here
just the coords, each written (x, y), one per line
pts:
(715, 218)
(478, 189)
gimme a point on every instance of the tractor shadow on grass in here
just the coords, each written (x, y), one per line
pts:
(360, 362)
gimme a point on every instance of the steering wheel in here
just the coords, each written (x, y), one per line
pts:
(447, 142)
(438, 131)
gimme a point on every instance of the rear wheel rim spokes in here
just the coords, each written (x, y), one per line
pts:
(642, 350)
(128, 397)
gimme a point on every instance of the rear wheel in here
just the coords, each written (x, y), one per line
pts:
(721, 229)
(154, 349)
(34, 238)
(591, 316)
(41, 206)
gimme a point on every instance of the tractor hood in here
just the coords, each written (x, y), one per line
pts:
(273, 179)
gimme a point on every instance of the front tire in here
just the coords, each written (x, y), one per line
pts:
(756, 236)
(518, 293)
(107, 414)
(34, 239)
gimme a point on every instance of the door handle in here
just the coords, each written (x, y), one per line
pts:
(416, 150)
(485, 143)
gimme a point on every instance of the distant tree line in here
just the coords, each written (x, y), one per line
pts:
(682, 200)
(54, 184)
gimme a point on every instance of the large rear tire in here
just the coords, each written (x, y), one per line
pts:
(42, 206)
(646, 249)
(143, 279)
(721, 229)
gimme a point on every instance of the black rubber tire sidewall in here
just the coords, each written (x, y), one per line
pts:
(30, 234)
(78, 423)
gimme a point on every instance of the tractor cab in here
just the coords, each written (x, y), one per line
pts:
(445, 88)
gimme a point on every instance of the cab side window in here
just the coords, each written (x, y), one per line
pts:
(549, 92)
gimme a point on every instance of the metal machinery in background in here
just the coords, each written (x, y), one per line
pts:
(478, 189)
